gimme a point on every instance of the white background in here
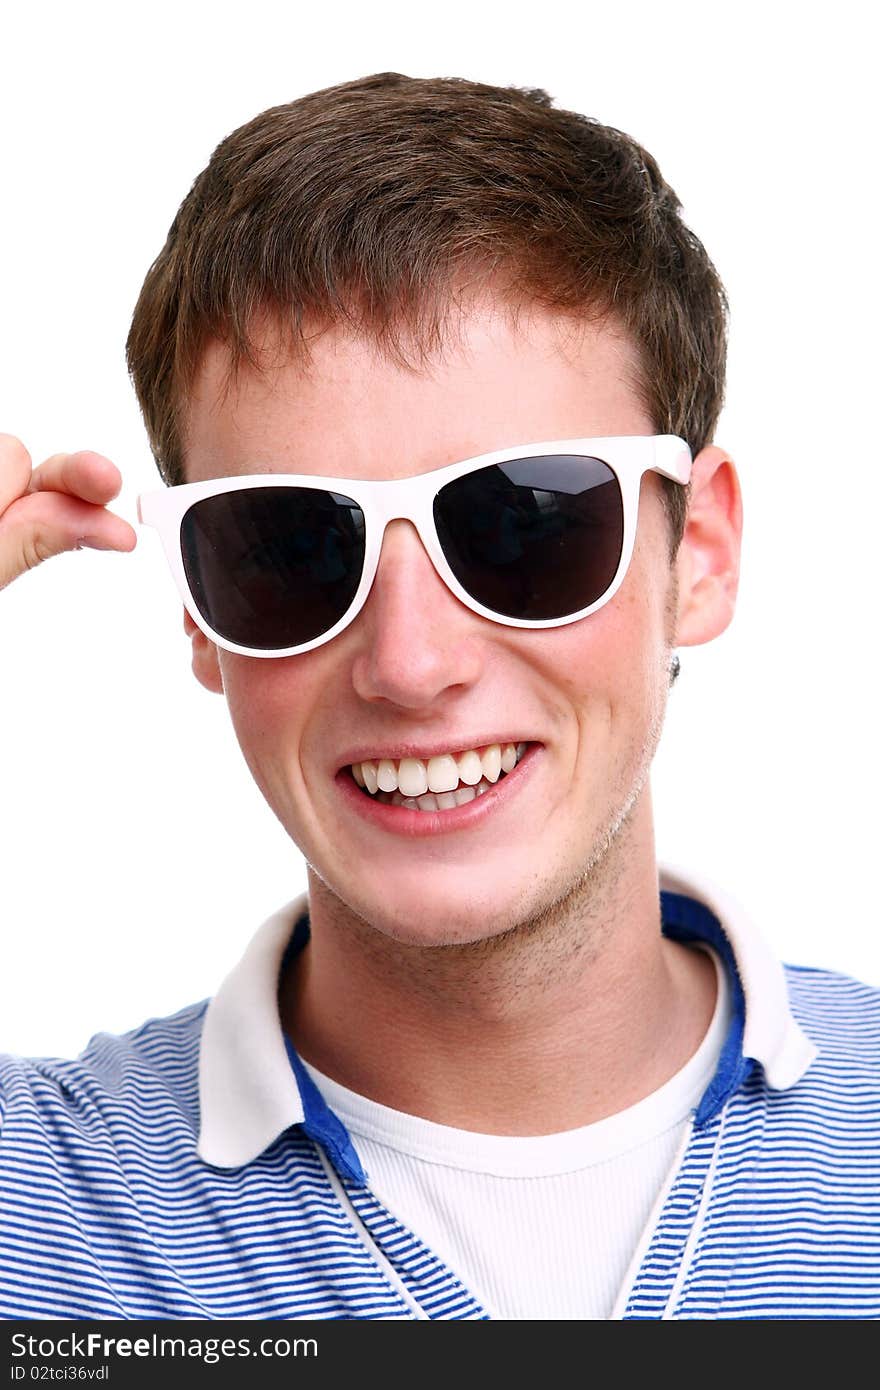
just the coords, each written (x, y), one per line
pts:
(136, 856)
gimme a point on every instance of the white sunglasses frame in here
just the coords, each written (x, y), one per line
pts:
(628, 456)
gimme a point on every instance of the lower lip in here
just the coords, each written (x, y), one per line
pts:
(400, 820)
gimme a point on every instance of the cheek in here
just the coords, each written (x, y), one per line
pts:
(612, 658)
(269, 701)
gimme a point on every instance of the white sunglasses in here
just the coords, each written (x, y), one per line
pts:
(535, 536)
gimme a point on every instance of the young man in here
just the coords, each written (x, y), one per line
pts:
(434, 370)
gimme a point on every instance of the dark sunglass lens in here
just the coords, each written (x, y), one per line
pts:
(533, 538)
(273, 567)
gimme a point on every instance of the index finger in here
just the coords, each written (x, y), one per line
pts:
(15, 469)
(85, 474)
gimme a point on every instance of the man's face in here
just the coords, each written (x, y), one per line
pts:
(417, 669)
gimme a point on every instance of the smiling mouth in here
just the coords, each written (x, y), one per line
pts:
(440, 783)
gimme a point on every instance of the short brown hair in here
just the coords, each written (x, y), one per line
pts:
(366, 200)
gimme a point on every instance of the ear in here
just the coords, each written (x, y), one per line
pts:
(707, 563)
(205, 657)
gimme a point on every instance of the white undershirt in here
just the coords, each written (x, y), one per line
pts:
(539, 1227)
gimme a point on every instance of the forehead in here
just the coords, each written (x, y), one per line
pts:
(353, 409)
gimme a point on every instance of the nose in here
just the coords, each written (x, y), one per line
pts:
(417, 643)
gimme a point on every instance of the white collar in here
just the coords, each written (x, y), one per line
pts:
(247, 1088)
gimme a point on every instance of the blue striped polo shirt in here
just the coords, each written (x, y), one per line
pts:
(191, 1169)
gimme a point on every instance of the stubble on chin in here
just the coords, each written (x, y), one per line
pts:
(561, 935)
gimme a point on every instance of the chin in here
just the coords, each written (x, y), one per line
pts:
(435, 915)
(450, 930)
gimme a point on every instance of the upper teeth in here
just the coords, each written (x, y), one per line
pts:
(442, 773)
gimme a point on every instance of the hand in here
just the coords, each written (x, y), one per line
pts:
(62, 505)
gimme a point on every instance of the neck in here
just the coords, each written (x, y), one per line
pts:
(562, 1020)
